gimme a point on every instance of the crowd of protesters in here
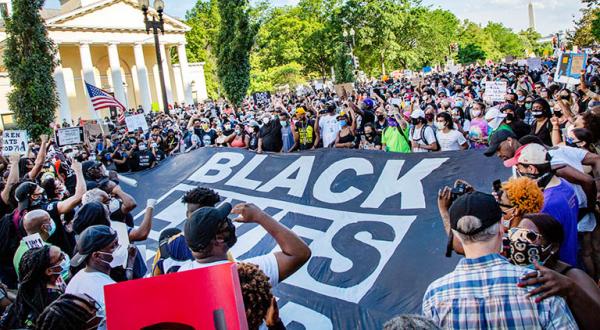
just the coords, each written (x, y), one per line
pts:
(531, 246)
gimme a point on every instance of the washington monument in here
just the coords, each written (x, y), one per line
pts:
(531, 16)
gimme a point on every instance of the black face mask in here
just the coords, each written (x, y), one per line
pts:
(510, 116)
(414, 121)
(36, 204)
(558, 114)
(381, 117)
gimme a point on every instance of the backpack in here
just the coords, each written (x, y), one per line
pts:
(424, 139)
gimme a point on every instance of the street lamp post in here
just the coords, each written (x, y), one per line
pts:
(155, 26)
(351, 42)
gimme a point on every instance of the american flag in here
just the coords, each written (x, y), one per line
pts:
(102, 100)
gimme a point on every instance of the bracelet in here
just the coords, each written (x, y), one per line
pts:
(129, 268)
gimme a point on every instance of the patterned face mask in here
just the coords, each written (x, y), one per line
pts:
(523, 249)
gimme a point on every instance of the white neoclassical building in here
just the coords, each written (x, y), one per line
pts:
(104, 42)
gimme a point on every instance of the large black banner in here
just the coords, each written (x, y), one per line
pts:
(370, 219)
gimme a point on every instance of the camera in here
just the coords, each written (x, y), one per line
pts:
(458, 190)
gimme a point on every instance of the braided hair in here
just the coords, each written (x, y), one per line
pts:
(32, 295)
(65, 313)
(256, 291)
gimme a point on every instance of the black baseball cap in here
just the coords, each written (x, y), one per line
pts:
(94, 238)
(24, 191)
(497, 138)
(477, 204)
(204, 224)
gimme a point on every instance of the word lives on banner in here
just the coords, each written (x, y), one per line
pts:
(369, 218)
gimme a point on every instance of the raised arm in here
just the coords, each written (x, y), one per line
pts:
(141, 233)
(294, 252)
(129, 202)
(70, 203)
(41, 157)
(13, 177)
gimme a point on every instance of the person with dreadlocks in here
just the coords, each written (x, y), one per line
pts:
(41, 284)
(70, 312)
(259, 302)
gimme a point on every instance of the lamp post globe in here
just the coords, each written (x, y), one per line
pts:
(144, 4)
(159, 5)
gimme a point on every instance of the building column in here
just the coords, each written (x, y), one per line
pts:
(178, 83)
(142, 74)
(64, 111)
(166, 72)
(185, 74)
(115, 70)
(201, 91)
(88, 73)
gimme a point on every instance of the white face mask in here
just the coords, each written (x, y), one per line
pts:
(266, 120)
(119, 257)
(440, 126)
(476, 113)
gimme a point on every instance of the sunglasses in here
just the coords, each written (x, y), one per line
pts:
(523, 234)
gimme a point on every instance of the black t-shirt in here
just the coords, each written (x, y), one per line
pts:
(253, 141)
(520, 128)
(62, 238)
(380, 127)
(373, 140)
(271, 136)
(142, 160)
(208, 137)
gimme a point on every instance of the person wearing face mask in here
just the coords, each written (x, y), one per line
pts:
(380, 122)
(35, 222)
(560, 200)
(142, 158)
(514, 122)
(422, 136)
(99, 251)
(239, 138)
(371, 140)
(449, 138)
(270, 135)
(462, 123)
(478, 130)
(305, 131)
(41, 284)
(207, 134)
(395, 137)
(288, 133)
(542, 127)
(346, 137)
(517, 197)
(536, 243)
(253, 131)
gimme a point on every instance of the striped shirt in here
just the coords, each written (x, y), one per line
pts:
(482, 293)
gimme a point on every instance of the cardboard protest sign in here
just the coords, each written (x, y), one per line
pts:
(33, 241)
(122, 236)
(340, 88)
(195, 299)
(262, 98)
(70, 136)
(495, 91)
(534, 64)
(569, 67)
(136, 121)
(14, 142)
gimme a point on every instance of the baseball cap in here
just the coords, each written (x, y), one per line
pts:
(417, 114)
(480, 205)
(300, 111)
(203, 225)
(496, 139)
(90, 164)
(531, 154)
(93, 239)
(24, 191)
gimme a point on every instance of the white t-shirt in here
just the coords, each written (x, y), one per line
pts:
(90, 283)
(573, 157)
(329, 128)
(267, 263)
(450, 141)
(428, 138)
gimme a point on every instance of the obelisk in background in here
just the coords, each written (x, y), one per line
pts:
(531, 16)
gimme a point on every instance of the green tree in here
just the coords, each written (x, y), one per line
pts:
(587, 29)
(235, 40)
(29, 59)
(343, 66)
(470, 53)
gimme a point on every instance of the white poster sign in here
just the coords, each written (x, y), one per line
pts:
(135, 122)
(534, 64)
(14, 142)
(495, 91)
(69, 136)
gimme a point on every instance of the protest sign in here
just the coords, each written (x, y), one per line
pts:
(262, 98)
(522, 62)
(534, 64)
(495, 91)
(136, 121)
(340, 88)
(427, 69)
(408, 74)
(395, 101)
(370, 219)
(69, 136)
(14, 142)
(569, 67)
(194, 299)
(122, 236)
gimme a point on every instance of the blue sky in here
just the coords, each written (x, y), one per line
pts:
(551, 15)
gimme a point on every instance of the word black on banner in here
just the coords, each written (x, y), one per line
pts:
(262, 98)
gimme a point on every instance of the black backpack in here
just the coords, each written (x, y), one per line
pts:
(424, 139)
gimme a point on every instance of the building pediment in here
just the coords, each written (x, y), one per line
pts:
(110, 15)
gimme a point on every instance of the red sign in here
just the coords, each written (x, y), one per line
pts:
(206, 298)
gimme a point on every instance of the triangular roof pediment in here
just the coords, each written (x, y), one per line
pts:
(109, 15)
